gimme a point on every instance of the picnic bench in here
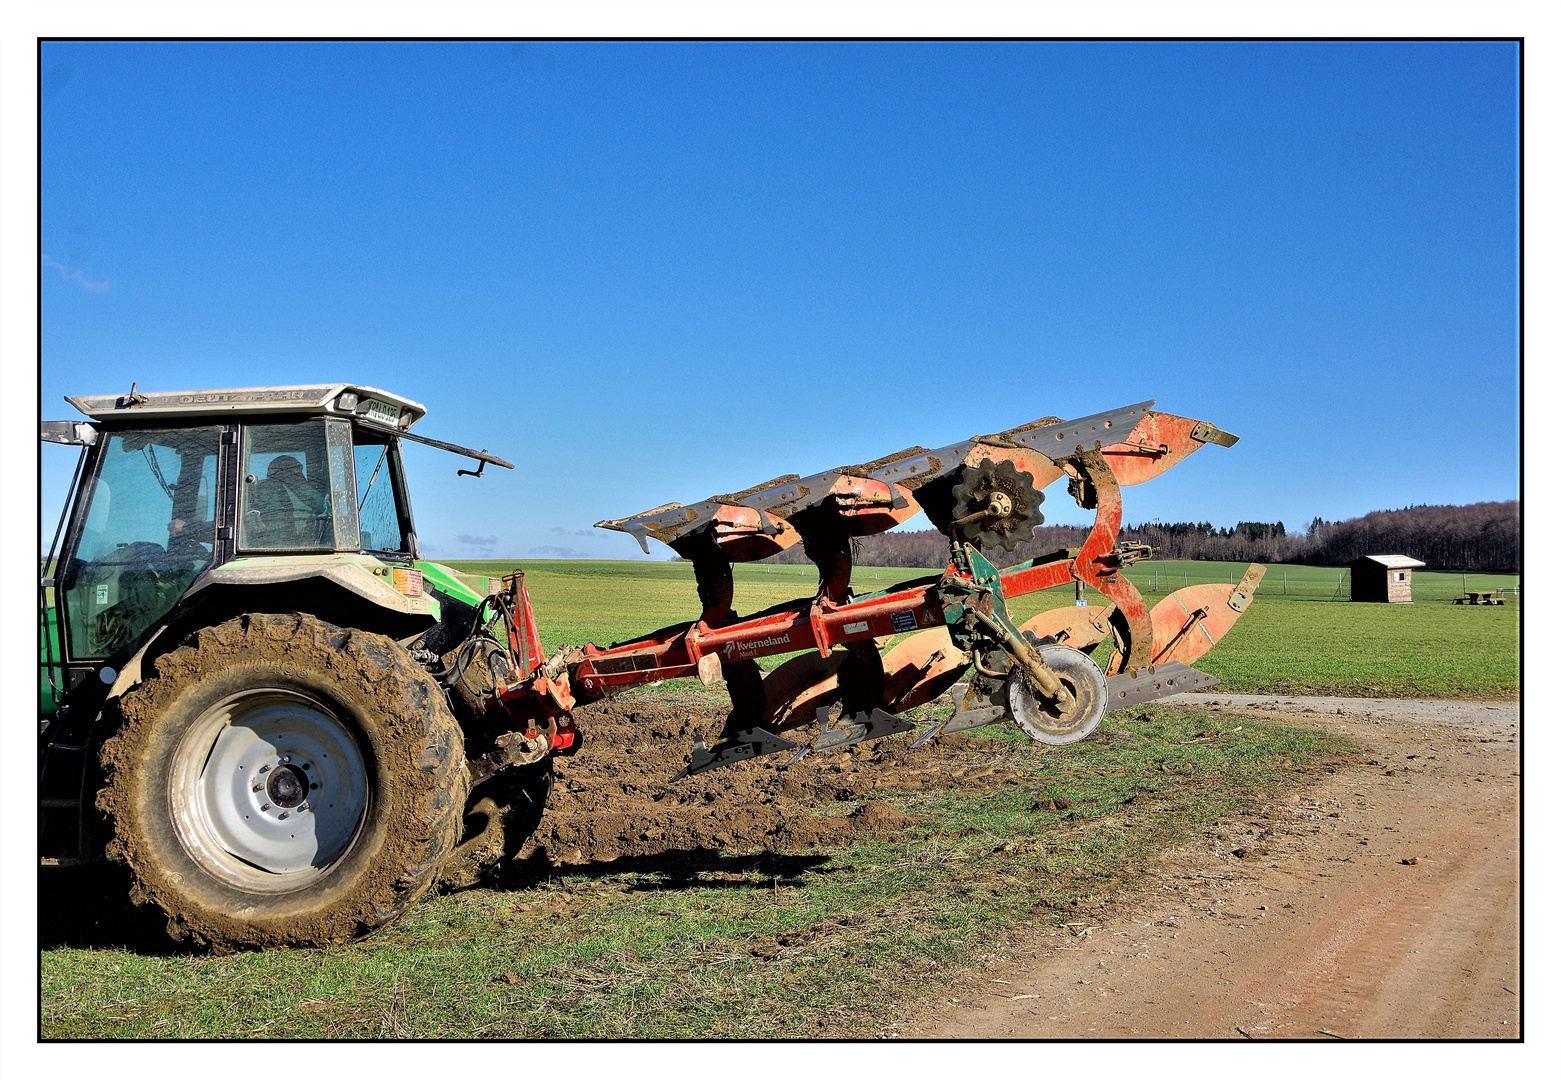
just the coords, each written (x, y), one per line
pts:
(1486, 598)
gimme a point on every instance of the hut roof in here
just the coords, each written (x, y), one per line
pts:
(1389, 562)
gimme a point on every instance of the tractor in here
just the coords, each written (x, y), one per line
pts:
(286, 725)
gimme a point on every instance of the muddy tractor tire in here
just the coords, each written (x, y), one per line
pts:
(282, 781)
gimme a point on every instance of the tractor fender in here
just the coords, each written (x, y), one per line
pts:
(362, 575)
(346, 590)
(339, 589)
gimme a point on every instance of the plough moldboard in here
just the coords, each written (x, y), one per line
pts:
(843, 687)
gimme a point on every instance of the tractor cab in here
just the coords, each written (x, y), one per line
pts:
(173, 487)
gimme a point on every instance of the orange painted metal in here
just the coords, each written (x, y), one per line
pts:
(799, 686)
(1076, 627)
(866, 507)
(921, 668)
(1096, 567)
(1159, 441)
(1038, 465)
(739, 534)
(1190, 621)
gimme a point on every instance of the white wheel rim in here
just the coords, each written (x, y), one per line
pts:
(1082, 678)
(268, 790)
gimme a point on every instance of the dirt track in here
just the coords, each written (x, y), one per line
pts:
(1380, 903)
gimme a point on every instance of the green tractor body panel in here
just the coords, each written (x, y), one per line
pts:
(49, 662)
(453, 582)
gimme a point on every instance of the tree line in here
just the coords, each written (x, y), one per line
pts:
(1481, 537)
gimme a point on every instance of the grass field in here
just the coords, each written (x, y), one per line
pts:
(1296, 638)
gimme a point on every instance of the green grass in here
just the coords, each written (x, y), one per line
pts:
(714, 944)
(1294, 639)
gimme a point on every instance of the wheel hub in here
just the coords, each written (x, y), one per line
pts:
(1049, 720)
(288, 787)
(275, 788)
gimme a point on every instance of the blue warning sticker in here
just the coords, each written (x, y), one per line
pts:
(903, 620)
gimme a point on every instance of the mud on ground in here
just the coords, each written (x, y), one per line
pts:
(617, 798)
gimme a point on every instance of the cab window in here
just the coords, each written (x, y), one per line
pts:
(382, 520)
(149, 529)
(296, 489)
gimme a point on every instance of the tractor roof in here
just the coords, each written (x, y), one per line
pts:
(340, 399)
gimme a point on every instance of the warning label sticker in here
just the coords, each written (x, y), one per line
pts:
(903, 620)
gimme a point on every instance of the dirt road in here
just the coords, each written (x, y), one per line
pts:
(1380, 903)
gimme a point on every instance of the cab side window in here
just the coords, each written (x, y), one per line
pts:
(380, 519)
(295, 489)
(149, 530)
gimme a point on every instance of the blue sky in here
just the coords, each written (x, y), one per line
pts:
(654, 272)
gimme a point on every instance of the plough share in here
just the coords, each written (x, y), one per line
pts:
(843, 688)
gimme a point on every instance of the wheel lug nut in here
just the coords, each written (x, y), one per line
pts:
(265, 806)
(265, 768)
(283, 814)
(286, 759)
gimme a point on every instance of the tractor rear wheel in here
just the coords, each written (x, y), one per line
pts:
(283, 781)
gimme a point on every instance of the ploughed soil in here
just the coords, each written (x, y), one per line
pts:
(1379, 902)
(617, 798)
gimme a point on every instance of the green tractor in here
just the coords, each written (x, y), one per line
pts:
(257, 696)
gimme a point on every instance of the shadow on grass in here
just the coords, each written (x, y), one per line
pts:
(664, 871)
(88, 907)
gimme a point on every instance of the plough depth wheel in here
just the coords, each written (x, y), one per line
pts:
(1068, 721)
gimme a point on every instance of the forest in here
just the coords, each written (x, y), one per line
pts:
(1479, 537)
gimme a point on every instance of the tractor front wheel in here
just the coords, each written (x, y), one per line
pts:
(283, 781)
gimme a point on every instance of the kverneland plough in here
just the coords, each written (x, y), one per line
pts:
(980, 492)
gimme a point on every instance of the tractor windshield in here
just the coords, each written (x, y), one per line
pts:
(148, 530)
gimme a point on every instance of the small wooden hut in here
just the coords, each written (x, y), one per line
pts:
(1382, 579)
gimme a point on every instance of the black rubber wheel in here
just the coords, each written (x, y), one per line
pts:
(282, 781)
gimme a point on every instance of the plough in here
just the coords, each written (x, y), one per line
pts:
(844, 688)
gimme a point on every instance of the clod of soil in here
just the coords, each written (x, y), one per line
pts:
(616, 797)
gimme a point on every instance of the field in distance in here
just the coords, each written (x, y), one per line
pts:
(1301, 636)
